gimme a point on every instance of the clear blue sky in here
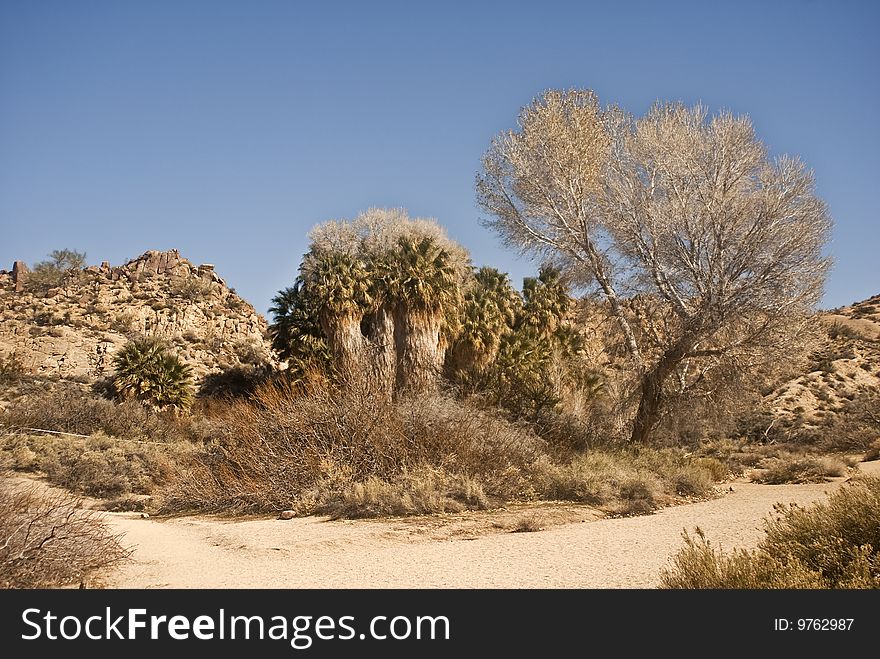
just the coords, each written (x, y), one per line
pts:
(228, 129)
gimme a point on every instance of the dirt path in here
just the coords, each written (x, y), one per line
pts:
(464, 551)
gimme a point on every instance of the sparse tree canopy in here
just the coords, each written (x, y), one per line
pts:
(685, 210)
(60, 265)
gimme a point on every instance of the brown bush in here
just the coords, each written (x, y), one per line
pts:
(833, 544)
(72, 408)
(12, 369)
(49, 541)
(800, 469)
(319, 448)
(99, 466)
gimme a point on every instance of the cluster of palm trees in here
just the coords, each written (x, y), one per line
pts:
(395, 298)
(375, 295)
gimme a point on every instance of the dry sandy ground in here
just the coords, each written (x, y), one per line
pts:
(475, 550)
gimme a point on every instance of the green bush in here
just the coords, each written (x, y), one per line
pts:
(147, 371)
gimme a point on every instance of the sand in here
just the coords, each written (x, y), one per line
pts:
(578, 549)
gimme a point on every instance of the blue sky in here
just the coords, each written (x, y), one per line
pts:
(229, 129)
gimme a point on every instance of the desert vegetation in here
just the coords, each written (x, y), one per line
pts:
(62, 264)
(826, 545)
(668, 341)
(49, 540)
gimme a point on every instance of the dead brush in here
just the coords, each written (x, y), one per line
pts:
(47, 540)
(304, 447)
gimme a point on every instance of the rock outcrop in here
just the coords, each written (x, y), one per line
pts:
(73, 330)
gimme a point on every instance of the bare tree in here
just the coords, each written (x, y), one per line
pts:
(682, 209)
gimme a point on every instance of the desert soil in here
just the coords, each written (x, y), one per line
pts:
(575, 547)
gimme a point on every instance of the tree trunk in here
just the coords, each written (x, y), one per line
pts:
(419, 351)
(383, 350)
(651, 402)
(346, 343)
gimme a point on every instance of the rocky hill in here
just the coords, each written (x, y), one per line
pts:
(72, 330)
(845, 366)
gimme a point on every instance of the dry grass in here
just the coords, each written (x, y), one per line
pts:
(626, 481)
(528, 524)
(47, 540)
(98, 466)
(794, 469)
(351, 452)
(835, 544)
(342, 451)
(70, 407)
(421, 492)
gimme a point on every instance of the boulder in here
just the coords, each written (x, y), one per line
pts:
(19, 275)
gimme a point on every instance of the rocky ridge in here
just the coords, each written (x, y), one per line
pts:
(844, 365)
(73, 330)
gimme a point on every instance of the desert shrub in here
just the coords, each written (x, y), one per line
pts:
(67, 407)
(833, 544)
(528, 524)
(804, 469)
(735, 455)
(62, 265)
(11, 369)
(839, 538)
(598, 427)
(700, 565)
(350, 451)
(323, 448)
(147, 371)
(49, 541)
(422, 491)
(631, 481)
(62, 407)
(98, 466)
(123, 322)
(837, 329)
(190, 288)
(234, 382)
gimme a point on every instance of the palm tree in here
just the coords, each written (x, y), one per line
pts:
(489, 311)
(384, 291)
(422, 283)
(521, 375)
(147, 371)
(296, 331)
(545, 302)
(342, 287)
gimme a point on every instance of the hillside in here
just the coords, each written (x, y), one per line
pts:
(844, 369)
(73, 330)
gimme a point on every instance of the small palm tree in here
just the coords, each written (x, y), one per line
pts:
(296, 331)
(523, 381)
(147, 371)
(545, 301)
(489, 311)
